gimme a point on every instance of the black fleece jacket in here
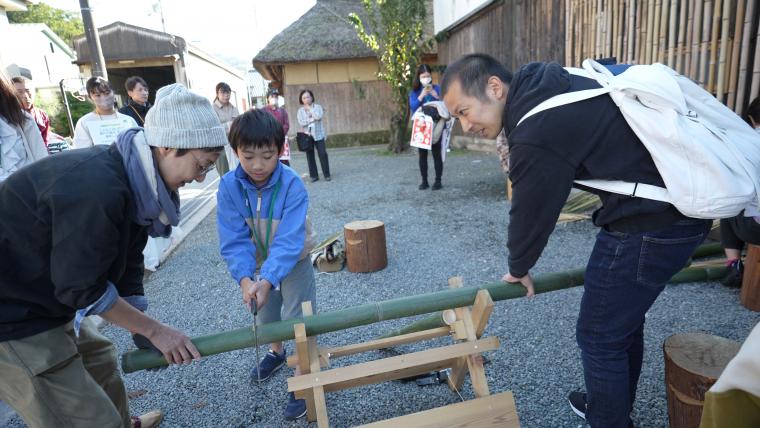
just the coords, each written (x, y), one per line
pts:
(65, 229)
(585, 140)
(136, 111)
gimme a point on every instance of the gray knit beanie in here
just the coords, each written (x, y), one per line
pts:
(181, 119)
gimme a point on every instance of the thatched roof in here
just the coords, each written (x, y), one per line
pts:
(322, 33)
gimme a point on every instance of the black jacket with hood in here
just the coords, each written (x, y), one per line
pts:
(65, 229)
(585, 140)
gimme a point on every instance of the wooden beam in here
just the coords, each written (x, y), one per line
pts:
(456, 375)
(302, 349)
(372, 345)
(492, 411)
(391, 368)
(481, 311)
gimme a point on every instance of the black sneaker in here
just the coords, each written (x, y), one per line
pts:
(733, 278)
(313, 179)
(424, 185)
(268, 365)
(577, 401)
(437, 185)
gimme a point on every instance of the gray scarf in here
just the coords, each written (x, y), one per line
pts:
(156, 208)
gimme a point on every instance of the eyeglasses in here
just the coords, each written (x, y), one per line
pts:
(204, 170)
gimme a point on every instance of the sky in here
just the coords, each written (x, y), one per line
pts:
(232, 30)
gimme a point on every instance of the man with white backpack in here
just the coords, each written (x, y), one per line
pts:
(643, 241)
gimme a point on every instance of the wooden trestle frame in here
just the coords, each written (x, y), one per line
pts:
(466, 325)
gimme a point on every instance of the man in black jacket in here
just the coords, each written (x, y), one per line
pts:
(72, 231)
(641, 244)
(137, 105)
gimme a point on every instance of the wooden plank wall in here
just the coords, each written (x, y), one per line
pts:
(349, 107)
(714, 42)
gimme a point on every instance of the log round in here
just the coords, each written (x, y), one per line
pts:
(365, 246)
(751, 280)
(693, 362)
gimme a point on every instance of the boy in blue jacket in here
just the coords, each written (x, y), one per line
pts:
(264, 235)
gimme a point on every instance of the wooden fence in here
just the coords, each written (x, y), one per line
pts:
(713, 42)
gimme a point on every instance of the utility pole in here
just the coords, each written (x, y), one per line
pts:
(97, 62)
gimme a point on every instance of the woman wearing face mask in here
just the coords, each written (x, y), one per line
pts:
(424, 91)
(226, 112)
(102, 125)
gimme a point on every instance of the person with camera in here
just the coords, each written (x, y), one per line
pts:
(424, 91)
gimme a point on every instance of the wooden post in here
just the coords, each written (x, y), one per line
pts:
(302, 350)
(751, 282)
(365, 246)
(693, 362)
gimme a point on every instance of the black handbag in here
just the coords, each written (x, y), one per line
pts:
(305, 142)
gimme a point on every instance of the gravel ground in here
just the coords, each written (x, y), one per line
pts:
(431, 236)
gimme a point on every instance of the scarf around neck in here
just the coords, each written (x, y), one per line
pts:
(155, 206)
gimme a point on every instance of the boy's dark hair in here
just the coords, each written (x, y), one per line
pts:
(98, 84)
(753, 111)
(472, 72)
(19, 79)
(133, 81)
(257, 129)
(300, 96)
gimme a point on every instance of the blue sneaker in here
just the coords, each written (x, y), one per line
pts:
(268, 365)
(295, 409)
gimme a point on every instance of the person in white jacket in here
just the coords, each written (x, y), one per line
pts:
(20, 139)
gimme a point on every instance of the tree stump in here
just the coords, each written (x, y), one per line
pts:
(751, 280)
(693, 362)
(365, 246)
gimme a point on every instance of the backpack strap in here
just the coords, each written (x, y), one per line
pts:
(637, 190)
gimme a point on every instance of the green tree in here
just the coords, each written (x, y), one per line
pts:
(393, 29)
(65, 24)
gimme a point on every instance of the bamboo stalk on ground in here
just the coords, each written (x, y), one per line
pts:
(716, 20)
(696, 39)
(705, 44)
(682, 28)
(744, 59)
(721, 84)
(733, 67)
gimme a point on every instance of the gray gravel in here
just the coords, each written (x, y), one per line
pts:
(431, 236)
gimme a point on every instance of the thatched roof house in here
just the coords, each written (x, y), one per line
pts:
(322, 52)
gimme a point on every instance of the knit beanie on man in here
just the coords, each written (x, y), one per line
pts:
(181, 119)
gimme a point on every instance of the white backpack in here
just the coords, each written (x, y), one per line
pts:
(708, 157)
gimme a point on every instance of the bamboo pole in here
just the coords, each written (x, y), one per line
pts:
(682, 28)
(386, 310)
(733, 74)
(754, 91)
(630, 35)
(640, 30)
(614, 25)
(650, 30)
(596, 29)
(696, 39)
(687, 275)
(716, 20)
(568, 31)
(607, 31)
(656, 28)
(721, 84)
(671, 48)
(663, 31)
(741, 84)
(704, 45)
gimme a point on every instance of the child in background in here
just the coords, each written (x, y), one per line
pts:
(264, 234)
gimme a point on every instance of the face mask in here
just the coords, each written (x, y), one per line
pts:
(106, 102)
(426, 81)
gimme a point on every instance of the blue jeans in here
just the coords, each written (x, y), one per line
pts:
(625, 274)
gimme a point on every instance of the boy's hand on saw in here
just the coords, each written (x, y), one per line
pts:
(257, 291)
(526, 281)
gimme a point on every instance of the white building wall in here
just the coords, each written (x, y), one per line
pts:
(202, 77)
(447, 12)
(34, 50)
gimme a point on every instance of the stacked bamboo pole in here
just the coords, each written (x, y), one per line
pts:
(734, 66)
(672, 29)
(715, 26)
(755, 89)
(721, 84)
(682, 26)
(695, 39)
(744, 59)
(704, 44)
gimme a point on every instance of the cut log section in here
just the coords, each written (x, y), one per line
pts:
(365, 246)
(751, 280)
(693, 362)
